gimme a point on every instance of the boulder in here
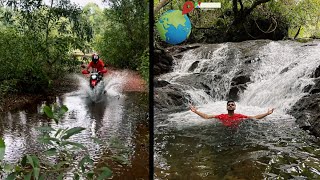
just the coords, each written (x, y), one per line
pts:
(307, 112)
(162, 62)
(316, 73)
(193, 66)
(160, 83)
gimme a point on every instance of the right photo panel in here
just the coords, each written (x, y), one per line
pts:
(236, 89)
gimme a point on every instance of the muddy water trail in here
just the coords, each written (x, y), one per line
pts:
(117, 116)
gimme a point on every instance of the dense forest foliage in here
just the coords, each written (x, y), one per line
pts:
(239, 20)
(37, 40)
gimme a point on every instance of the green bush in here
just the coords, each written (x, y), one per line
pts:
(144, 66)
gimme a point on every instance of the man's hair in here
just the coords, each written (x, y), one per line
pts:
(230, 102)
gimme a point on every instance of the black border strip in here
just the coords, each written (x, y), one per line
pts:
(151, 102)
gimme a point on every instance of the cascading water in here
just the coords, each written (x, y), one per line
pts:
(264, 74)
(282, 76)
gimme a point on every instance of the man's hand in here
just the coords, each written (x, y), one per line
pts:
(192, 108)
(270, 111)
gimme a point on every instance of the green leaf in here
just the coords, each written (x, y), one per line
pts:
(28, 176)
(60, 177)
(85, 159)
(63, 110)
(45, 129)
(42, 177)
(48, 111)
(60, 164)
(57, 133)
(24, 161)
(17, 168)
(8, 167)
(97, 140)
(120, 159)
(73, 131)
(44, 140)
(12, 176)
(35, 161)
(90, 174)
(30, 160)
(76, 176)
(106, 173)
(2, 149)
(74, 144)
(48, 164)
(36, 173)
(51, 152)
(56, 120)
(49, 140)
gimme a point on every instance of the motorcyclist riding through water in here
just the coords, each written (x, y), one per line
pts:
(97, 66)
(97, 63)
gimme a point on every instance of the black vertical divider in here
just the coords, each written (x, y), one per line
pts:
(151, 112)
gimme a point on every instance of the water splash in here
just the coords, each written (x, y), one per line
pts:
(110, 87)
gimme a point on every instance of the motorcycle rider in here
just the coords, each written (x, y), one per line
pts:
(98, 64)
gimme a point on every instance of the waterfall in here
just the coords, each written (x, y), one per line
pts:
(282, 75)
(259, 74)
(279, 72)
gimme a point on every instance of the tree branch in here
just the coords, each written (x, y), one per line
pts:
(297, 33)
(235, 7)
(239, 18)
(241, 5)
(160, 5)
(254, 5)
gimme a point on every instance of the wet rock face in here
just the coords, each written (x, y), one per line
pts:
(163, 58)
(238, 85)
(169, 97)
(307, 110)
(316, 73)
(162, 62)
(193, 66)
(160, 83)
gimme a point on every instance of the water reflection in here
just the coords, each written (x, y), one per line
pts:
(114, 117)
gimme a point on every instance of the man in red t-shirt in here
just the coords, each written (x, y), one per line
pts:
(230, 119)
(97, 63)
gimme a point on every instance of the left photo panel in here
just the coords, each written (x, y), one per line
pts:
(74, 89)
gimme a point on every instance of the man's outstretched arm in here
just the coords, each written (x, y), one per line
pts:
(260, 116)
(203, 115)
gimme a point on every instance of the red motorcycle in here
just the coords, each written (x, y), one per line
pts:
(95, 77)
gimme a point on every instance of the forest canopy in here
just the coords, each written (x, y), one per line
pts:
(38, 39)
(239, 20)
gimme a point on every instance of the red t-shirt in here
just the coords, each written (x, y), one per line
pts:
(231, 120)
(99, 65)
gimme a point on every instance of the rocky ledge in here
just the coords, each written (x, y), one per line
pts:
(307, 109)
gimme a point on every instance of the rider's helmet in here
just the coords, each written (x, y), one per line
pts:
(95, 57)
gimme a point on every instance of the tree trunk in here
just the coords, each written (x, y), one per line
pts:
(47, 35)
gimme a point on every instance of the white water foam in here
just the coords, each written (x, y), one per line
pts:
(112, 84)
(272, 86)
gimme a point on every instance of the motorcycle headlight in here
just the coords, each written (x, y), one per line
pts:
(94, 76)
